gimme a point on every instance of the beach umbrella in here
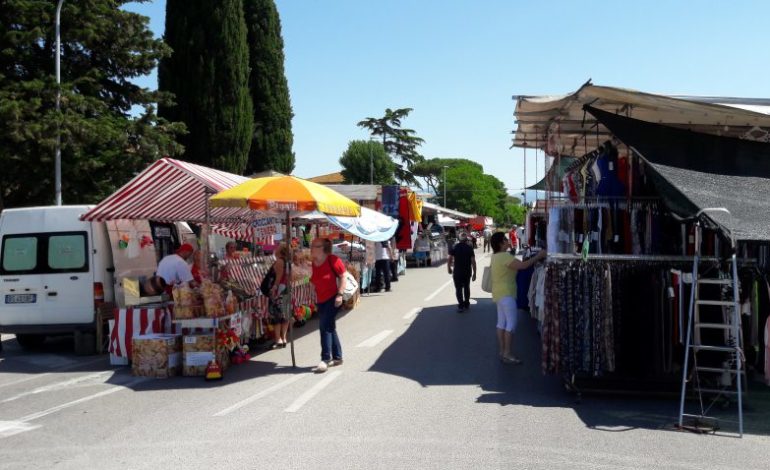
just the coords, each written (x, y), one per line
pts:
(289, 195)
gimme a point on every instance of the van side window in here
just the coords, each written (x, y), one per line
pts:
(66, 252)
(19, 254)
(44, 253)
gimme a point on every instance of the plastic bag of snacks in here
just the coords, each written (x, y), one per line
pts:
(213, 299)
(187, 304)
(231, 303)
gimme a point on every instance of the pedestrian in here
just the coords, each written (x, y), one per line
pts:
(328, 269)
(383, 253)
(514, 239)
(461, 264)
(394, 259)
(503, 267)
(487, 236)
(277, 316)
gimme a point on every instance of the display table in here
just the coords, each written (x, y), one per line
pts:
(206, 323)
(134, 321)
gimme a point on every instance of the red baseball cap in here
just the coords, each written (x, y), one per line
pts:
(185, 247)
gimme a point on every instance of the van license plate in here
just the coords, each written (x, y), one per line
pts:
(20, 298)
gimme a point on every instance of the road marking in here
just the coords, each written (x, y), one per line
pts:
(260, 394)
(9, 428)
(435, 293)
(371, 342)
(63, 369)
(94, 396)
(412, 313)
(315, 390)
(57, 385)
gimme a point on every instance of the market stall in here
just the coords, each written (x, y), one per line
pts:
(627, 171)
(171, 191)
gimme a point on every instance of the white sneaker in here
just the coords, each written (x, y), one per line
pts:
(322, 366)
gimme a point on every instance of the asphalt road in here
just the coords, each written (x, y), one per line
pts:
(420, 388)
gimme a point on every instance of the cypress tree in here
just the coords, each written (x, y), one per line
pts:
(208, 73)
(271, 145)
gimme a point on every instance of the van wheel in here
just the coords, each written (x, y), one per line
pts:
(85, 343)
(30, 341)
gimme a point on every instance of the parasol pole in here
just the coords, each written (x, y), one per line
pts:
(290, 287)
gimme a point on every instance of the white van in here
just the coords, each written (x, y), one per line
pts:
(56, 270)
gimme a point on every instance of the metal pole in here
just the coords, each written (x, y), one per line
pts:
(445, 167)
(57, 164)
(371, 164)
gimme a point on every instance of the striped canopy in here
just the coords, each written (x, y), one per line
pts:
(171, 190)
(286, 193)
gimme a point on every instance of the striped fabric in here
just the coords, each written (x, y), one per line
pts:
(240, 232)
(249, 271)
(135, 321)
(170, 190)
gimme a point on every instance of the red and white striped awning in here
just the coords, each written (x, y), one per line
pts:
(171, 190)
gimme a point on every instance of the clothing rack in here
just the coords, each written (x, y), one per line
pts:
(559, 257)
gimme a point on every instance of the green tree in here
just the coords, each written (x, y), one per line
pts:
(513, 211)
(272, 140)
(432, 170)
(398, 142)
(208, 73)
(102, 145)
(357, 162)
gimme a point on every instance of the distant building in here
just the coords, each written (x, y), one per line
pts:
(331, 178)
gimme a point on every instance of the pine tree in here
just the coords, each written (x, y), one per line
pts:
(208, 73)
(102, 145)
(271, 145)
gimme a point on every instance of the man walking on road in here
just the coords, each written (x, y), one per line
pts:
(463, 260)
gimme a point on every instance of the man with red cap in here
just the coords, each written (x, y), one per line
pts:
(174, 268)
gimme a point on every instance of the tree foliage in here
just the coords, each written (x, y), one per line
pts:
(271, 143)
(398, 142)
(359, 158)
(208, 74)
(102, 146)
(432, 170)
(469, 189)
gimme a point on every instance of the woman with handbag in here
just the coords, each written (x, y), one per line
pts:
(328, 278)
(277, 317)
(503, 268)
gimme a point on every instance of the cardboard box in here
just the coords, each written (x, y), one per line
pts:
(197, 352)
(156, 355)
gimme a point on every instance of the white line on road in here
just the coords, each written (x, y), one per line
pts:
(435, 293)
(371, 342)
(260, 394)
(61, 369)
(103, 393)
(315, 390)
(9, 428)
(411, 313)
(58, 385)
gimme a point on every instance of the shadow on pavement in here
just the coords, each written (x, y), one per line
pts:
(443, 347)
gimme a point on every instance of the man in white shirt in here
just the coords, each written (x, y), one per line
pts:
(382, 255)
(174, 268)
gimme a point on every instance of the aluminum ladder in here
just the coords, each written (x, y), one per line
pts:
(723, 377)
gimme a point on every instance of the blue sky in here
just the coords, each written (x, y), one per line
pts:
(459, 62)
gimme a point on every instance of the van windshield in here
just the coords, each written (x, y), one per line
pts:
(44, 253)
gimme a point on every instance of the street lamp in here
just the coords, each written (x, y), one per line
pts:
(445, 167)
(371, 163)
(57, 164)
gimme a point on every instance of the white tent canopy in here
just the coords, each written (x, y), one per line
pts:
(447, 221)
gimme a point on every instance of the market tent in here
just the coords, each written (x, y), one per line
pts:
(431, 208)
(446, 221)
(170, 190)
(694, 171)
(560, 126)
(552, 179)
(371, 225)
